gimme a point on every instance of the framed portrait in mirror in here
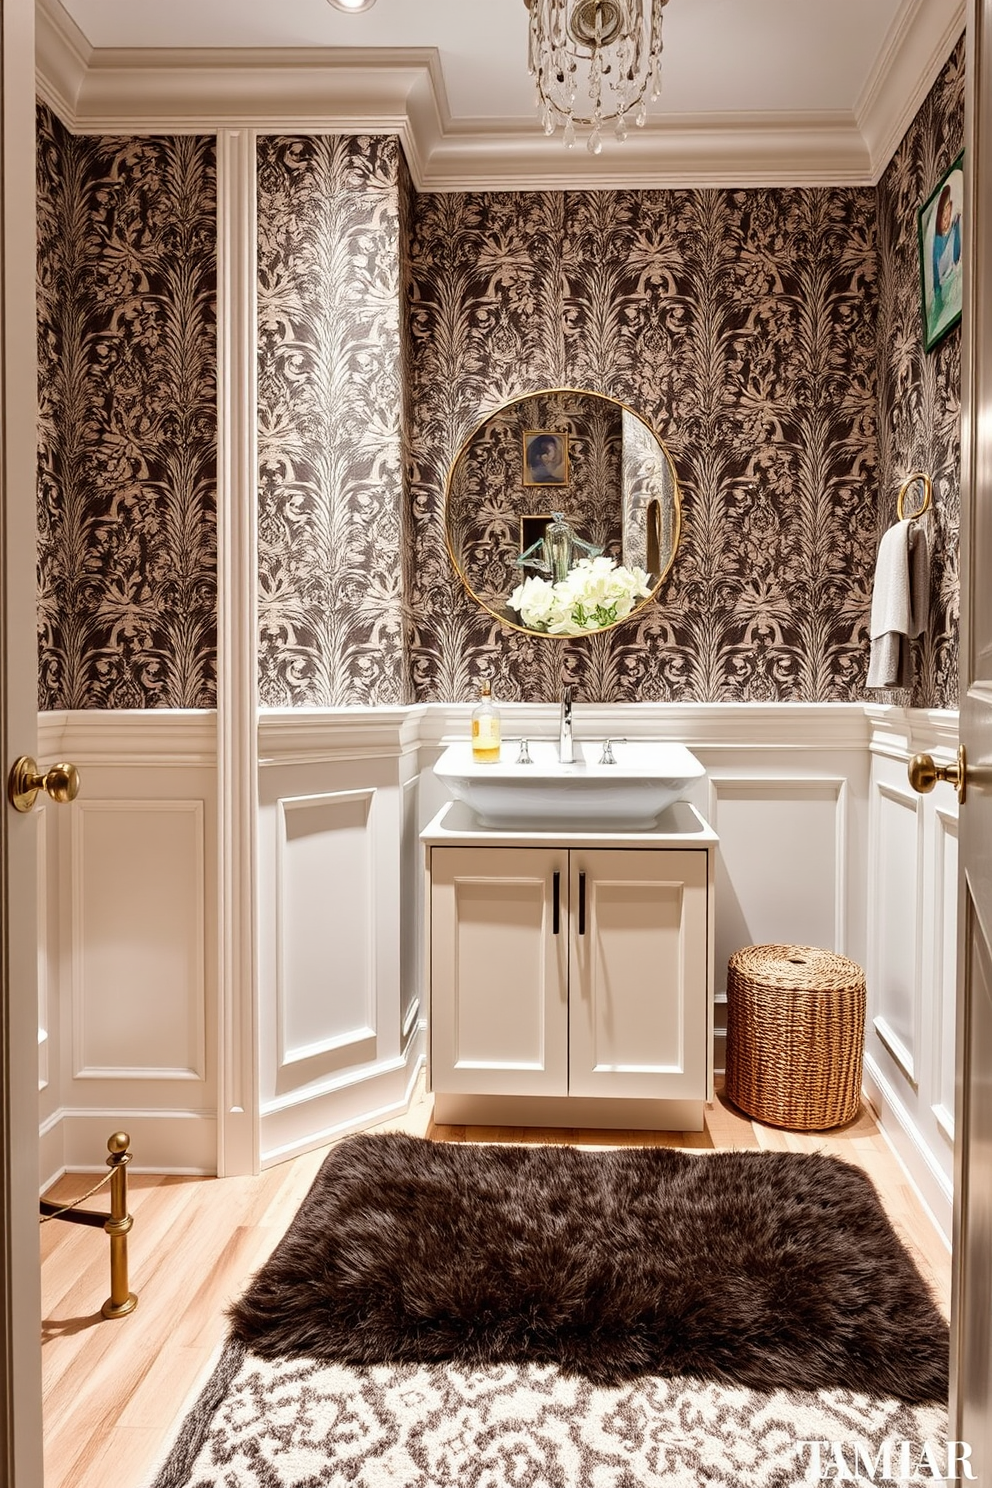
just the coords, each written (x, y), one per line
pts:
(545, 457)
(939, 226)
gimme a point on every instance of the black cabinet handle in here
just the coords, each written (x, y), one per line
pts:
(556, 902)
(582, 903)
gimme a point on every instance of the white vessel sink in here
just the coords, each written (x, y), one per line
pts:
(646, 778)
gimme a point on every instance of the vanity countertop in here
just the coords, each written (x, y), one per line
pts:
(679, 825)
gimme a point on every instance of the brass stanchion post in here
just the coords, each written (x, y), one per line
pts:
(121, 1301)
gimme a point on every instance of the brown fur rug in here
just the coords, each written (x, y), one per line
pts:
(763, 1269)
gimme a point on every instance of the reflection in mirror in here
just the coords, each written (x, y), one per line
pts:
(556, 549)
(564, 489)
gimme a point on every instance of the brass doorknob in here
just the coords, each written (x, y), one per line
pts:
(25, 781)
(924, 774)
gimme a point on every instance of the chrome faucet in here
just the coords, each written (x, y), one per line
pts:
(565, 754)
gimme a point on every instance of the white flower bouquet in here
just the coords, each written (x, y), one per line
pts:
(594, 593)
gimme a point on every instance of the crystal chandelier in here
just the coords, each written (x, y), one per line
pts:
(595, 62)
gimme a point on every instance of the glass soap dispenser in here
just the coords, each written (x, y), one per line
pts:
(485, 727)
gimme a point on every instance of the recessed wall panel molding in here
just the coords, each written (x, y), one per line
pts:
(47, 1016)
(897, 897)
(411, 910)
(943, 974)
(912, 948)
(131, 948)
(782, 875)
(340, 1030)
(138, 971)
(326, 916)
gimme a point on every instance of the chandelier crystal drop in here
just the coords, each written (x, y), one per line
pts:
(595, 63)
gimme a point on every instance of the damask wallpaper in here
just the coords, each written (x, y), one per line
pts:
(919, 393)
(771, 337)
(742, 326)
(331, 390)
(127, 586)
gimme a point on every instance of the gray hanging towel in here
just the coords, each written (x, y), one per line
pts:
(900, 604)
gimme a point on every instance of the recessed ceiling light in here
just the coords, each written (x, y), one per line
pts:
(353, 5)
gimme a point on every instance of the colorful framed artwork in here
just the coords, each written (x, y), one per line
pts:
(939, 223)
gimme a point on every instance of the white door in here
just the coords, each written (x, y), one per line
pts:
(971, 1354)
(20, 1294)
(638, 994)
(499, 949)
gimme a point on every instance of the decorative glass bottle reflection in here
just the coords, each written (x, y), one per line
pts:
(554, 554)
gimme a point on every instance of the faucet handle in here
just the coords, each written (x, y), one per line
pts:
(608, 757)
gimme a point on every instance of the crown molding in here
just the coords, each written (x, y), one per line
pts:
(62, 56)
(401, 91)
(197, 90)
(921, 41)
(739, 150)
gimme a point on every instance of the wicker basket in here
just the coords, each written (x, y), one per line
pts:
(795, 1035)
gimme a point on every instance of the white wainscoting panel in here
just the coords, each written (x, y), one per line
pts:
(782, 874)
(129, 956)
(45, 1014)
(411, 912)
(325, 905)
(897, 898)
(912, 900)
(943, 966)
(340, 1035)
(811, 848)
(50, 1148)
(138, 941)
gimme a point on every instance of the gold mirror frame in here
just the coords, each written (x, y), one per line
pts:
(510, 508)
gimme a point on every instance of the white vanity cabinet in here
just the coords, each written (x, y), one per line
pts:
(571, 975)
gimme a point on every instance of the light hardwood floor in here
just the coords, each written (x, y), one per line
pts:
(116, 1390)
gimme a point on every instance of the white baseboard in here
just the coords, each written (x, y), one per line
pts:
(388, 1095)
(76, 1142)
(932, 1187)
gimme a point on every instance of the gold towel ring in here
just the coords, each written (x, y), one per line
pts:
(917, 475)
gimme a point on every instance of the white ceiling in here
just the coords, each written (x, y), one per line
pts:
(753, 90)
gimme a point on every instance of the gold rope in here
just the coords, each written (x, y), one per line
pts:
(74, 1204)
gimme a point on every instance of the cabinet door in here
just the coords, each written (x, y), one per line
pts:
(499, 1017)
(638, 994)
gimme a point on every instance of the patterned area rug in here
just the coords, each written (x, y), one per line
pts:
(298, 1423)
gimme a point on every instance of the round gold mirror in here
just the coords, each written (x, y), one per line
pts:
(562, 512)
